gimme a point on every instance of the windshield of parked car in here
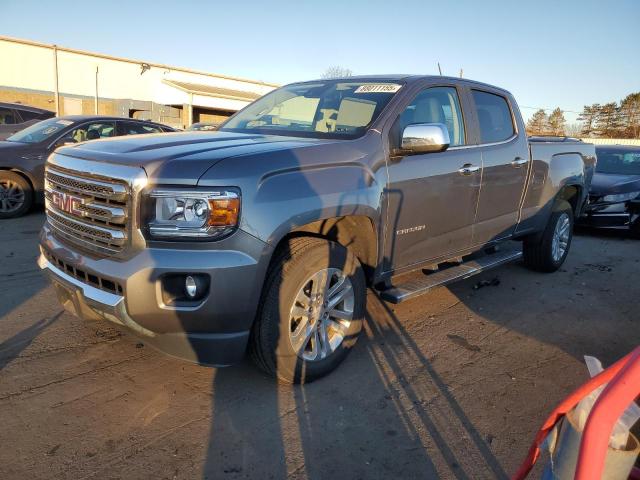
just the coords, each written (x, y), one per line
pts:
(620, 161)
(325, 109)
(41, 131)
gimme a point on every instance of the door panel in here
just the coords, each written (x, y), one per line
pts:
(505, 163)
(431, 206)
(503, 182)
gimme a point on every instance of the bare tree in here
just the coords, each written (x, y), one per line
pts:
(336, 71)
(573, 130)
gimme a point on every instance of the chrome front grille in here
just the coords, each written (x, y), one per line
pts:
(89, 210)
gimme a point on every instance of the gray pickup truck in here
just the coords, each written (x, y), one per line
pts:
(265, 234)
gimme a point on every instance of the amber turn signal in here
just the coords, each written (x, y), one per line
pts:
(224, 212)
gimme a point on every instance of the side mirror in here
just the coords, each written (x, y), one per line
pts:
(425, 138)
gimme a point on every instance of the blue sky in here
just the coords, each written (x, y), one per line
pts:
(548, 53)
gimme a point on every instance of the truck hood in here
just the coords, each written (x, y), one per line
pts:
(181, 158)
(611, 183)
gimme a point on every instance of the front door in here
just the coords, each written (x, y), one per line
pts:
(432, 197)
(505, 164)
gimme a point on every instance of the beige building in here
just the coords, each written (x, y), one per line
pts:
(70, 81)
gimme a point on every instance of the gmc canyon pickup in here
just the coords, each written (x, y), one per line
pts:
(265, 234)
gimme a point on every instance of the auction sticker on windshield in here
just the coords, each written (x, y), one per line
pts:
(378, 88)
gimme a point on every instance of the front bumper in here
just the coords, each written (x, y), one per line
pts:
(616, 216)
(215, 332)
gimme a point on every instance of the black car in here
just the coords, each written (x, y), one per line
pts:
(14, 117)
(23, 155)
(614, 197)
(204, 126)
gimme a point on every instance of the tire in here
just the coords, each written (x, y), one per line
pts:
(16, 195)
(295, 272)
(538, 249)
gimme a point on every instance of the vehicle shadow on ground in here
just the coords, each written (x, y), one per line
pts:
(369, 419)
(20, 279)
(375, 421)
(12, 347)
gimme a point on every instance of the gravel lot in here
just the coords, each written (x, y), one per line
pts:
(453, 384)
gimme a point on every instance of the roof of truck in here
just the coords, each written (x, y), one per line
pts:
(405, 78)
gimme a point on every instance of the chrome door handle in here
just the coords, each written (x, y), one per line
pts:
(518, 162)
(468, 169)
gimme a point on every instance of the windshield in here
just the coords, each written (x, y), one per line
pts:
(38, 132)
(624, 162)
(325, 109)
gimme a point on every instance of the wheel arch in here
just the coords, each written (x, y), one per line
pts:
(354, 232)
(22, 173)
(571, 193)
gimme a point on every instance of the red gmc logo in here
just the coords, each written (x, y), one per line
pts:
(66, 202)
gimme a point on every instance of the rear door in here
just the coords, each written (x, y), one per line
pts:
(431, 199)
(505, 164)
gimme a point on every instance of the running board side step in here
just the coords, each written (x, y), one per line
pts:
(415, 287)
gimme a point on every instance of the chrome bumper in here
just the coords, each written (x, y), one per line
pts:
(90, 303)
(86, 301)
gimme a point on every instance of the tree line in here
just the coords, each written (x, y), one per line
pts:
(609, 120)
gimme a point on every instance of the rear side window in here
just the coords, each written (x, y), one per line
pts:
(27, 115)
(132, 128)
(494, 115)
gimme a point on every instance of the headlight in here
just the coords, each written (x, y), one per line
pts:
(195, 214)
(620, 197)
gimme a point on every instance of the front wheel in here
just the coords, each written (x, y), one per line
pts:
(547, 251)
(311, 312)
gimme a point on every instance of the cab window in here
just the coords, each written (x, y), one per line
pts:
(91, 131)
(7, 117)
(494, 116)
(436, 105)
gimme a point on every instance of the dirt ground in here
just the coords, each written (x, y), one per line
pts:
(452, 385)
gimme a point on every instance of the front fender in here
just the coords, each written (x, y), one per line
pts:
(284, 190)
(313, 194)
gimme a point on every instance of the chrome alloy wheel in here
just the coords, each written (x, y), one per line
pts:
(12, 196)
(321, 314)
(561, 234)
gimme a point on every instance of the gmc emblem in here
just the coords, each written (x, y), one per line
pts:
(67, 203)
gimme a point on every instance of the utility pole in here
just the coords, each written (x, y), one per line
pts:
(439, 69)
(56, 92)
(460, 73)
(96, 98)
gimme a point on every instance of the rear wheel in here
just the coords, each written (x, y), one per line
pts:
(547, 251)
(16, 195)
(311, 311)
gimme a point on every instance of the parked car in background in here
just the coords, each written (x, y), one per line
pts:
(265, 234)
(203, 126)
(23, 155)
(14, 117)
(614, 197)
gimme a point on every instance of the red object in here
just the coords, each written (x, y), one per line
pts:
(623, 378)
